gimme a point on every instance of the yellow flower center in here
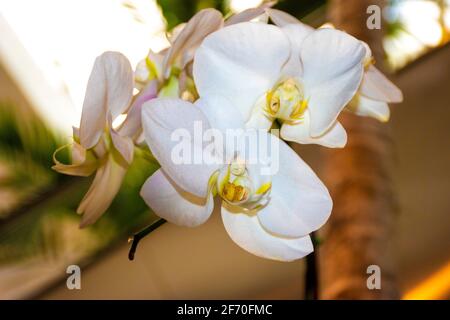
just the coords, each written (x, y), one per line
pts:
(234, 193)
(286, 101)
(236, 187)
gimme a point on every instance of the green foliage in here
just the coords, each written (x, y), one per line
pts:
(22, 131)
(26, 146)
(394, 28)
(179, 11)
(42, 225)
(299, 8)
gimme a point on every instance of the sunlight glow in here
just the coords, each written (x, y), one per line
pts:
(119, 120)
(419, 28)
(421, 19)
(447, 18)
(437, 286)
(66, 36)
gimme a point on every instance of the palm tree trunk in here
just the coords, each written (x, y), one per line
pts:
(359, 230)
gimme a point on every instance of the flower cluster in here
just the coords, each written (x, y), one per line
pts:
(243, 74)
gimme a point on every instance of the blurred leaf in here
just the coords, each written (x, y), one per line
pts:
(179, 11)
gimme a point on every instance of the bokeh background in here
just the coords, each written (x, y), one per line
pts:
(47, 49)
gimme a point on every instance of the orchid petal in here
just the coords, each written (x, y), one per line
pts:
(175, 32)
(281, 18)
(368, 55)
(109, 90)
(259, 119)
(93, 116)
(78, 153)
(220, 112)
(246, 231)
(132, 126)
(363, 106)
(198, 27)
(161, 119)
(101, 149)
(334, 137)
(149, 68)
(249, 14)
(141, 73)
(377, 86)
(102, 191)
(296, 33)
(333, 69)
(124, 145)
(81, 165)
(241, 62)
(169, 202)
(119, 82)
(300, 203)
(76, 133)
(79, 170)
(225, 118)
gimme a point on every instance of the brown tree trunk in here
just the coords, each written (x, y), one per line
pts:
(359, 230)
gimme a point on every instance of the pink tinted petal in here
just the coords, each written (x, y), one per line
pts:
(109, 90)
(249, 14)
(101, 193)
(124, 145)
(375, 85)
(198, 27)
(281, 18)
(132, 126)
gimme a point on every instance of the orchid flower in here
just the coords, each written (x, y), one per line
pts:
(172, 67)
(269, 215)
(98, 146)
(375, 91)
(294, 74)
(108, 151)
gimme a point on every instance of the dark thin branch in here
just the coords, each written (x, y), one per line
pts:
(140, 235)
(311, 276)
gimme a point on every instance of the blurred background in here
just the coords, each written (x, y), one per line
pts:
(47, 49)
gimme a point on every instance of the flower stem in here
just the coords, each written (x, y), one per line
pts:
(311, 276)
(140, 235)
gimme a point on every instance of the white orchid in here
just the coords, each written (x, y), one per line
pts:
(98, 146)
(172, 67)
(242, 76)
(108, 151)
(299, 76)
(267, 215)
(375, 91)
(149, 69)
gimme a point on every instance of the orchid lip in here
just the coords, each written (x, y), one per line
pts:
(236, 187)
(286, 101)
